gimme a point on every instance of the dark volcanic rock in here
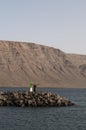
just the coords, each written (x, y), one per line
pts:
(23, 99)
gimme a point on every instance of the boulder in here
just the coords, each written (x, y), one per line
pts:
(23, 99)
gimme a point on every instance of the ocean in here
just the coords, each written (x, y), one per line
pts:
(46, 118)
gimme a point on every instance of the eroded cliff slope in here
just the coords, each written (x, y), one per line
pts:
(22, 62)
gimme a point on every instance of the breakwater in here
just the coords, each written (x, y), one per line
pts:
(28, 99)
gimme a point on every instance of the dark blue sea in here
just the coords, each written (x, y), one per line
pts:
(49, 118)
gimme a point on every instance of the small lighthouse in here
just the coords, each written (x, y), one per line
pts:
(31, 87)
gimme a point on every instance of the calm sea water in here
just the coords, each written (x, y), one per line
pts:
(50, 118)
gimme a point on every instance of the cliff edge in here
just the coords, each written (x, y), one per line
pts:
(22, 62)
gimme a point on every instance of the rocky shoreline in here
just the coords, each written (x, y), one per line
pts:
(38, 99)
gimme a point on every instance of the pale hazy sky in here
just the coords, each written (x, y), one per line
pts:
(57, 23)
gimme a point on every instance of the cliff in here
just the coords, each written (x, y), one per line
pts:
(22, 62)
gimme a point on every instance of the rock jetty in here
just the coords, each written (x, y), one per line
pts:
(28, 99)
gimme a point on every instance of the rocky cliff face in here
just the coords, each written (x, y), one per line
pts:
(21, 63)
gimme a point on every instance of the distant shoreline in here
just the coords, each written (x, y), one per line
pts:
(46, 87)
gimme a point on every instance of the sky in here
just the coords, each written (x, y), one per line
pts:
(57, 23)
